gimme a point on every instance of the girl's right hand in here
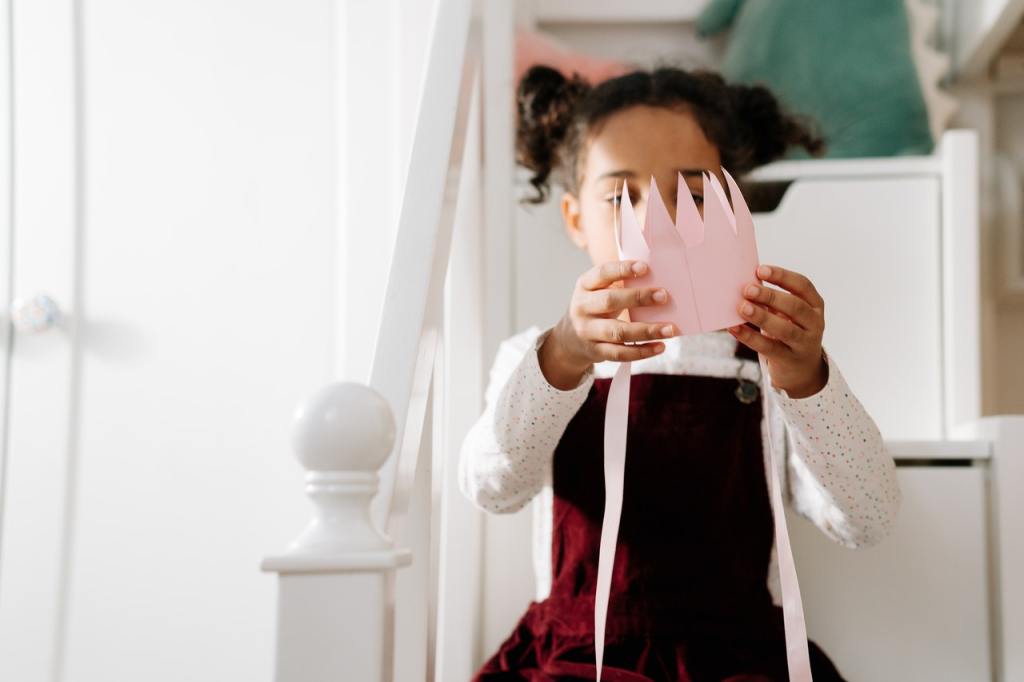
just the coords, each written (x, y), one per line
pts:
(590, 331)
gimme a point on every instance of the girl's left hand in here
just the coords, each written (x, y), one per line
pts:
(792, 323)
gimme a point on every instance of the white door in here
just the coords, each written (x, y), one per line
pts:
(172, 194)
(41, 414)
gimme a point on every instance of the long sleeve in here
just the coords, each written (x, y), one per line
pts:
(840, 475)
(505, 457)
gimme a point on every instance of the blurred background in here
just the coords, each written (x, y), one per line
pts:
(213, 211)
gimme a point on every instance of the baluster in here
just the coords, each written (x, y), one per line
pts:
(334, 616)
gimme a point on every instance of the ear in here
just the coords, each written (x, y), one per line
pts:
(571, 220)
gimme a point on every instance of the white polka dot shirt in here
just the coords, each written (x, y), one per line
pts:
(838, 474)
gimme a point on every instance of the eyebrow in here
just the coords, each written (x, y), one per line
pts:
(616, 174)
(626, 173)
(690, 172)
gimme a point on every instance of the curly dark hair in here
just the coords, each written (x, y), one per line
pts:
(746, 122)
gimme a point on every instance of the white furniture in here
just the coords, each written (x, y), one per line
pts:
(892, 244)
(915, 607)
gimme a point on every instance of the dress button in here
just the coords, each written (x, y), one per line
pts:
(747, 391)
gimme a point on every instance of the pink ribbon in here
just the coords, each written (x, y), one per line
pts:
(616, 416)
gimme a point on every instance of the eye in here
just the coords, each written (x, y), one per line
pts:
(698, 199)
(615, 200)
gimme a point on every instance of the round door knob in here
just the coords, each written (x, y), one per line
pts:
(35, 314)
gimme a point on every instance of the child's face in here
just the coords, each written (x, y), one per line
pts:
(635, 144)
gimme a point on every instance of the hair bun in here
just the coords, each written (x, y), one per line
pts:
(545, 103)
(769, 130)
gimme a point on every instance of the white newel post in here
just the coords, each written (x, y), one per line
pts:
(335, 579)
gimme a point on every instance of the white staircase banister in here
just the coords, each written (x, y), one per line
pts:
(410, 321)
(336, 580)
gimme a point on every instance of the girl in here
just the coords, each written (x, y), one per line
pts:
(693, 592)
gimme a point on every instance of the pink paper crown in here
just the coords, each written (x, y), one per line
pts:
(702, 263)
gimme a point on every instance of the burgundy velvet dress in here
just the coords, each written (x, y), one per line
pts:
(689, 598)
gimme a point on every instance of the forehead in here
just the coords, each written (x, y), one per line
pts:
(648, 141)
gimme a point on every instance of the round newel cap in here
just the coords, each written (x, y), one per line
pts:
(344, 426)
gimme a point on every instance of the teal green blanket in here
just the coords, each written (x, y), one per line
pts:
(847, 64)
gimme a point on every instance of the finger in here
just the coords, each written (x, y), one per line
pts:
(603, 275)
(792, 281)
(780, 329)
(617, 331)
(754, 339)
(621, 353)
(614, 299)
(787, 305)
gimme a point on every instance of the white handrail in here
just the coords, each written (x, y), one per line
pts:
(410, 323)
(336, 604)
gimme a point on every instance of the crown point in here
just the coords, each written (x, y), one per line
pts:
(688, 221)
(657, 214)
(740, 210)
(632, 242)
(723, 201)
